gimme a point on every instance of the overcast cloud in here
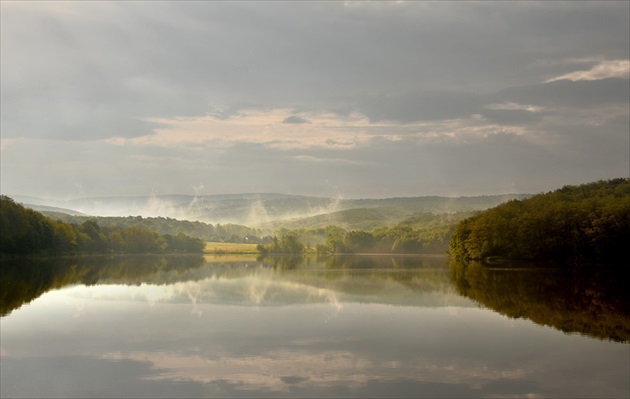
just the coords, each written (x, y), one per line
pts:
(352, 99)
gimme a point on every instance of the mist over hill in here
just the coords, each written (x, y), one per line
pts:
(265, 209)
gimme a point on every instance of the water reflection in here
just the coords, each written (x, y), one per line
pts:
(585, 301)
(343, 327)
(266, 281)
(22, 280)
(591, 301)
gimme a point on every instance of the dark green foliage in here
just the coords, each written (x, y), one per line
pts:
(287, 244)
(26, 232)
(395, 240)
(183, 243)
(574, 223)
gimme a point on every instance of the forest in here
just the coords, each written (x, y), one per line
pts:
(164, 225)
(419, 233)
(29, 232)
(575, 224)
(590, 222)
(398, 239)
(24, 231)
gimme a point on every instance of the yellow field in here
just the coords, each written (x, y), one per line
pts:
(222, 258)
(229, 248)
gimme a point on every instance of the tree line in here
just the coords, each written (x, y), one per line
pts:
(396, 240)
(163, 225)
(24, 231)
(286, 244)
(590, 222)
(334, 239)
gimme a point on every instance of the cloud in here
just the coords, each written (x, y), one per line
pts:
(117, 96)
(511, 105)
(6, 143)
(325, 130)
(294, 120)
(514, 107)
(567, 93)
(421, 106)
(86, 71)
(310, 158)
(603, 70)
(259, 126)
(276, 371)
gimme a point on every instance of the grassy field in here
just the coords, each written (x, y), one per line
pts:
(229, 248)
(223, 258)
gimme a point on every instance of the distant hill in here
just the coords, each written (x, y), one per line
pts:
(53, 209)
(369, 218)
(270, 209)
(366, 214)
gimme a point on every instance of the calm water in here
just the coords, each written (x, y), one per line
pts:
(349, 327)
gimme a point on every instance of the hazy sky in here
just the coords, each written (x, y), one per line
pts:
(352, 99)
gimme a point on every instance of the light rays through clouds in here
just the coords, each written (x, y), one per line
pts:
(375, 99)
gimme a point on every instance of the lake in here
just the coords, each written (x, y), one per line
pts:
(353, 326)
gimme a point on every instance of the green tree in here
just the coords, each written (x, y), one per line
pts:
(574, 223)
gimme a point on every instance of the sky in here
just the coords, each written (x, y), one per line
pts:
(332, 99)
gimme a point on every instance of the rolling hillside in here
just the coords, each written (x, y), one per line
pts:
(273, 210)
(369, 218)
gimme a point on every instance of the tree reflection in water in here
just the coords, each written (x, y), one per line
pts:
(591, 301)
(22, 280)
